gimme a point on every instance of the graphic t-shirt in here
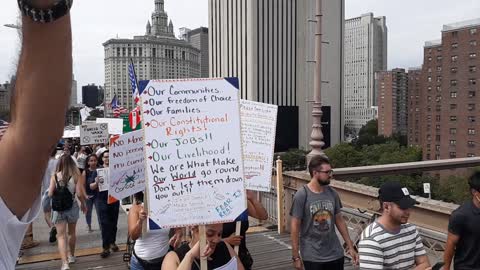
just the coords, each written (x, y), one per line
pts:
(318, 239)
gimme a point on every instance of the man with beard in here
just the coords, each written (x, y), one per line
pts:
(391, 242)
(315, 212)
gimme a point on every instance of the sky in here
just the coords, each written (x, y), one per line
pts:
(410, 23)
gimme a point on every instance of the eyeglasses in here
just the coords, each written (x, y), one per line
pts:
(329, 172)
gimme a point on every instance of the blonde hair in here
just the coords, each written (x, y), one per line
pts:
(67, 167)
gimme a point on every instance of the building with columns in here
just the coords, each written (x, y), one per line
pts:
(156, 55)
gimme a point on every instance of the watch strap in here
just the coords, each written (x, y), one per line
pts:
(45, 15)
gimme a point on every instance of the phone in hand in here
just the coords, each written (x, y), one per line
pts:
(438, 266)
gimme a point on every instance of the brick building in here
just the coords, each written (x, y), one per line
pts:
(415, 112)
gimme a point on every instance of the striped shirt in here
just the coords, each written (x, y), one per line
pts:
(380, 249)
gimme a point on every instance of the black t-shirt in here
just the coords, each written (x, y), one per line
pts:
(219, 258)
(465, 222)
(229, 229)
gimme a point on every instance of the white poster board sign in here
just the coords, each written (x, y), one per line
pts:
(103, 179)
(93, 134)
(115, 125)
(259, 123)
(193, 151)
(127, 161)
(426, 188)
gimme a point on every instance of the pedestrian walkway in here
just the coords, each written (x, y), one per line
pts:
(270, 251)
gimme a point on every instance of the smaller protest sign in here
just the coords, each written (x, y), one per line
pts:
(115, 125)
(103, 179)
(93, 134)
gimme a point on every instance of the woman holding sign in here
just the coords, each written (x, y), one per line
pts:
(107, 213)
(218, 253)
(89, 176)
(150, 248)
(255, 210)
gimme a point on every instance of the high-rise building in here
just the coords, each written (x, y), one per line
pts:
(73, 97)
(156, 55)
(269, 46)
(415, 111)
(365, 54)
(90, 95)
(392, 101)
(198, 38)
(183, 31)
(450, 87)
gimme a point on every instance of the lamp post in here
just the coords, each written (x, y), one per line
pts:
(317, 136)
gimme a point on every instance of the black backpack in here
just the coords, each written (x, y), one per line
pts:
(62, 199)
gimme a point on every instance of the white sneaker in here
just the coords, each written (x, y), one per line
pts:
(71, 259)
(65, 266)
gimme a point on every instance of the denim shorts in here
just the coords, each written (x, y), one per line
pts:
(69, 216)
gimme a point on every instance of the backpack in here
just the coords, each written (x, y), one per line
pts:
(62, 199)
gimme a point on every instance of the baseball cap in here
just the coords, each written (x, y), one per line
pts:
(396, 193)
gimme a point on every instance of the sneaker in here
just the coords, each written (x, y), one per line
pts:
(53, 235)
(71, 259)
(105, 253)
(114, 248)
(65, 266)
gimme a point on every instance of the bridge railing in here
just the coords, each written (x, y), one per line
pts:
(360, 201)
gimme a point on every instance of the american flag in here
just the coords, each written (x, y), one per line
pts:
(3, 128)
(133, 81)
(117, 109)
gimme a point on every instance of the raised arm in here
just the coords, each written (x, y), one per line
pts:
(41, 95)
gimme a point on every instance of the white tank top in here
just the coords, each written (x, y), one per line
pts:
(152, 245)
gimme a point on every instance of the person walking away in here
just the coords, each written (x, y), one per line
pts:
(81, 158)
(63, 188)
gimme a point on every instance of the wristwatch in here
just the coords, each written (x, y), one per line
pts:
(296, 258)
(45, 15)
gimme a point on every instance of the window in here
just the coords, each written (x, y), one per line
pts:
(438, 108)
(428, 156)
(439, 58)
(473, 31)
(453, 142)
(454, 70)
(471, 94)
(437, 127)
(471, 131)
(429, 79)
(453, 154)
(437, 156)
(453, 106)
(439, 68)
(470, 155)
(454, 58)
(472, 55)
(429, 98)
(454, 34)
(471, 119)
(438, 98)
(453, 131)
(437, 118)
(471, 107)
(472, 43)
(453, 118)
(453, 94)
(472, 68)
(439, 89)
(439, 79)
(429, 118)
(429, 58)
(429, 88)
(472, 81)
(471, 144)
(437, 138)
(454, 45)
(437, 147)
(429, 70)
(453, 82)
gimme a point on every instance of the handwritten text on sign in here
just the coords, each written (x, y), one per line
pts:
(193, 149)
(103, 179)
(259, 121)
(127, 161)
(93, 134)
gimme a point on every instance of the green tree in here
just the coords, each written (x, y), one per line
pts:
(344, 155)
(368, 135)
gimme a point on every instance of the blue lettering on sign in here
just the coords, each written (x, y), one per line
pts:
(225, 209)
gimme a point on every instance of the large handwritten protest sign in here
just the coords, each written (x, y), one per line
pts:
(93, 134)
(103, 179)
(193, 149)
(127, 161)
(259, 121)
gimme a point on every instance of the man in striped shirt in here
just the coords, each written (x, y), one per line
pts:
(390, 242)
